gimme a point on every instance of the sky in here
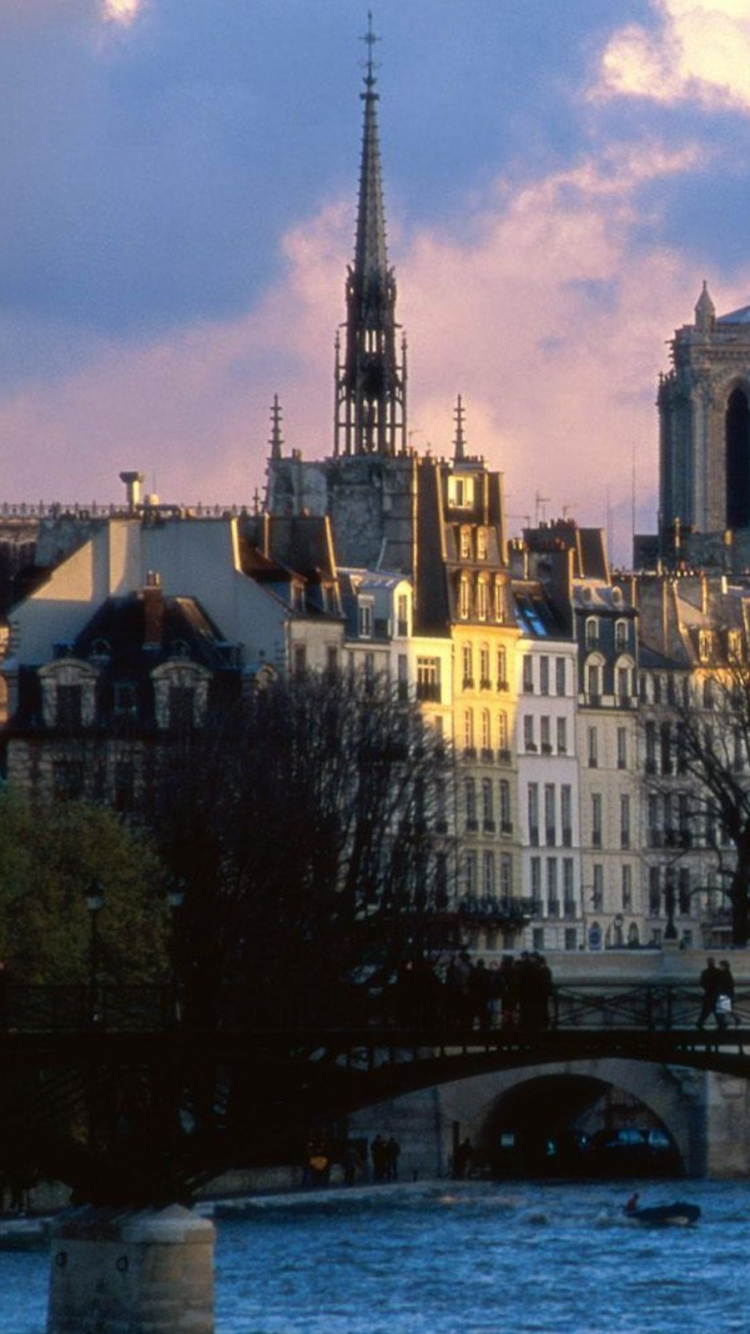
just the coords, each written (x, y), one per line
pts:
(178, 185)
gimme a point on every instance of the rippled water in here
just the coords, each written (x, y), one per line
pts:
(464, 1259)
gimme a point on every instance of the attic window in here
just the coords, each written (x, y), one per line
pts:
(125, 699)
(365, 620)
(705, 645)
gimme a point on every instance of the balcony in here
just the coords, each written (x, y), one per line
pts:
(485, 683)
(488, 826)
(553, 908)
(429, 692)
(488, 755)
(506, 912)
(503, 685)
(506, 827)
(570, 909)
(546, 747)
(530, 747)
(472, 826)
(551, 833)
(503, 756)
(467, 683)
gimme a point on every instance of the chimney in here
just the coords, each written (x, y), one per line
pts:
(153, 611)
(133, 482)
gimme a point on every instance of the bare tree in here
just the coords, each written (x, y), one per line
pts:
(308, 828)
(703, 742)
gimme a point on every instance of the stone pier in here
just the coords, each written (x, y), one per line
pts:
(121, 1271)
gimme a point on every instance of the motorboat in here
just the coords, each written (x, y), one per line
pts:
(677, 1214)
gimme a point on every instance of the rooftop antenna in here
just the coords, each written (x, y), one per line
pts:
(539, 502)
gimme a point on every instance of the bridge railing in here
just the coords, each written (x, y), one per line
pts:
(155, 1009)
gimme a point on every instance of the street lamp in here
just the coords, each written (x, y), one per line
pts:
(94, 899)
(175, 899)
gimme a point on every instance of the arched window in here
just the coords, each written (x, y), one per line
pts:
(483, 598)
(621, 636)
(737, 434)
(592, 632)
(464, 598)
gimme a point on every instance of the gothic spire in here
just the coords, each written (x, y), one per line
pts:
(370, 384)
(459, 443)
(277, 438)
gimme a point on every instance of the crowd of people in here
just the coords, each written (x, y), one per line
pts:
(468, 993)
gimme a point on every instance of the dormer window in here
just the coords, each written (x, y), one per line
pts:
(483, 599)
(465, 543)
(481, 543)
(461, 492)
(621, 636)
(734, 646)
(402, 614)
(705, 645)
(365, 620)
(125, 699)
(69, 705)
(181, 708)
(464, 599)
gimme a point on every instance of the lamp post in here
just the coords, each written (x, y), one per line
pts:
(175, 899)
(94, 898)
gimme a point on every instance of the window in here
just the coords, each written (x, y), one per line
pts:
(300, 659)
(533, 804)
(486, 730)
(484, 667)
(597, 891)
(181, 707)
(125, 699)
(365, 620)
(488, 814)
(650, 747)
(653, 820)
(592, 632)
(705, 645)
(624, 820)
(502, 731)
(683, 891)
(483, 598)
(571, 938)
(562, 736)
(621, 636)
(69, 706)
(626, 888)
(536, 877)
(428, 679)
(622, 748)
(593, 680)
(666, 748)
(470, 797)
(568, 879)
(403, 676)
(465, 543)
(402, 614)
(528, 732)
(545, 735)
(468, 729)
(560, 675)
(593, 740)
(470, 874)
(734, 646)
(505, 821)
(467, 663)
(68, 778)
(528, 674)
(544, 675)
(506, 874)
(502, 669)
(708, 693)
(499, 602)
(549, 814)
(623, 682)
(464, 598)
(481, 543)
(654, 891)
(552, 900)
(566, 814)
(332, 660)
(488, 874)
(596, 819)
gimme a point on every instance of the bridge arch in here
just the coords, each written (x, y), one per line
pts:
(673, 1100)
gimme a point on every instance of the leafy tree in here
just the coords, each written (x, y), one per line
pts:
(310, 830)
(49, 857)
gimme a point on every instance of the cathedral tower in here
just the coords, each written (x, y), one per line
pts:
(370, 416)
(704, 408)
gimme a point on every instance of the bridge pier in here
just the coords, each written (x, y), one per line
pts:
(121, 1271)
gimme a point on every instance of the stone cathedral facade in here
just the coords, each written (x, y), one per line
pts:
(704, 409)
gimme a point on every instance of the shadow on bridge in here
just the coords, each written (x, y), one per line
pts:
(120, 1099)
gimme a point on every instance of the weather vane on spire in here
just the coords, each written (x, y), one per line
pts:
(370, 39)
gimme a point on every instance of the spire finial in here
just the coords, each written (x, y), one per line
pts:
(277, 439)
(459, 442)
(370, 39)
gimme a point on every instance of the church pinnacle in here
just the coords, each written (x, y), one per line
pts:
(370, 383)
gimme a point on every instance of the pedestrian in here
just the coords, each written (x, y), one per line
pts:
(390, 1159)
(462, 1159)
(725, 997)
(709, 981)
(508, 992)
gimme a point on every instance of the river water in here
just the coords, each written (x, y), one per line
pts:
(465, 1258)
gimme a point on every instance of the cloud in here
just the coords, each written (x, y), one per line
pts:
(542, 313)
(124, 12)
(699, 51)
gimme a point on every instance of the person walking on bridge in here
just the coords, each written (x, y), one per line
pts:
(710, 980)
